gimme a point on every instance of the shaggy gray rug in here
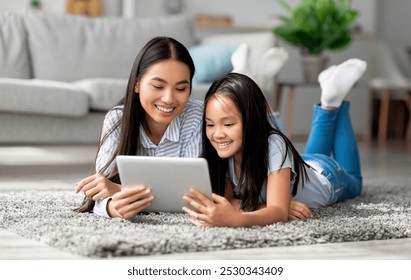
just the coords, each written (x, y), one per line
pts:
(381, 212)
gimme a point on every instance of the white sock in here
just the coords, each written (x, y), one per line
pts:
(240, 60)
(336, 81)
(270, 64)
(325, 74)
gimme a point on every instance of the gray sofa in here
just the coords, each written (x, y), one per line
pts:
(60, 73)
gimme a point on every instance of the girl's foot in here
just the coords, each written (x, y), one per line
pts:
(270, 64)
(239, 60)
(336, 81)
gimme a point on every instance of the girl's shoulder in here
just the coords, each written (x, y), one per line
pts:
(275, 139)
(276, 144)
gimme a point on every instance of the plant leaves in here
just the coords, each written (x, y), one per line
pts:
(316, 25)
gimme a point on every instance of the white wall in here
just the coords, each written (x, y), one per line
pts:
(111, 7)
(394, 28)
(54, 6)
(256, 13)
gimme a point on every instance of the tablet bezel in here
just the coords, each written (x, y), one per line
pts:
(169, 178)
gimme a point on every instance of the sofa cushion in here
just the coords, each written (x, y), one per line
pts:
(258, 42)
(19, 129)
(42, 97)
(14, 57)
(104, 92)
(72, 47)
(211, 62)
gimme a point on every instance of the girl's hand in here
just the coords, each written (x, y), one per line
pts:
(97, 187)
(129, 202)
(299, 211)
(210, 213)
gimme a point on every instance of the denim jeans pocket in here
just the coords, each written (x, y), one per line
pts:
(332, 171)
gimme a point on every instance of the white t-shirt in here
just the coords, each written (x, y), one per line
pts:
(316, 192)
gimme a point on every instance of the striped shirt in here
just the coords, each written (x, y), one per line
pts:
(182, 138)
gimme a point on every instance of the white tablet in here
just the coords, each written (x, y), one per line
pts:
(169, 178)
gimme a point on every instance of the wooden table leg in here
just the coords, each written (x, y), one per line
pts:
(290, 110)
(383, 118)
(277, 98)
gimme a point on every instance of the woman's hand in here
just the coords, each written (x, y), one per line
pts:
(299, 211)
(129, 202)
(210, 213)
(97, 187)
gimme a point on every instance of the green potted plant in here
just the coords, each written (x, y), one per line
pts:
(315, 26)
(36, 4)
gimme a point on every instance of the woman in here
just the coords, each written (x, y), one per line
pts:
(155, 118)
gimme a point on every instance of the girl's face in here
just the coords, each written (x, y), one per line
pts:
(224, 127)
(164, 91)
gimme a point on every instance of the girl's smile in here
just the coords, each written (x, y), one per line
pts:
(223, 144)
(224, 127)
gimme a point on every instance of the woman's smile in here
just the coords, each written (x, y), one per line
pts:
(165, 109)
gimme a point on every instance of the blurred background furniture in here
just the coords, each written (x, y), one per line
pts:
(60, 73)
(84, 7)
(388, 83)
(290, 86)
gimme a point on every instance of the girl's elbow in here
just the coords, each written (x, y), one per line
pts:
(283, 217)
(279, 218)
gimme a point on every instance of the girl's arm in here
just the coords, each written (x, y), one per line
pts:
(278, 201)
(297, 211)
(229, 194)
(221, 212)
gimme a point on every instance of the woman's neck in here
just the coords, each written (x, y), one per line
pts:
(154, 131)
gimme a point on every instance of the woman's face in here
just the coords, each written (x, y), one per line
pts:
(224, 127)
(164, 91)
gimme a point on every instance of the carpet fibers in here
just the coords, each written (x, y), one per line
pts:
(381, 212)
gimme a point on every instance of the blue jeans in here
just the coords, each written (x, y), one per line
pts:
(333, 145)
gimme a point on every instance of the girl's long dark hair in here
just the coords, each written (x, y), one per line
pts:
(156, 50)
(253, 106)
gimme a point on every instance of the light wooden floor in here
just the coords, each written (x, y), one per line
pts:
(59, 167)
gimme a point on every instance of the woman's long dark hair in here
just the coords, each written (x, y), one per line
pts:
(255, 112)
(156, 50)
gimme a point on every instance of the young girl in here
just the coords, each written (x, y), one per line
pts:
(255, 169)
(155, 118)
